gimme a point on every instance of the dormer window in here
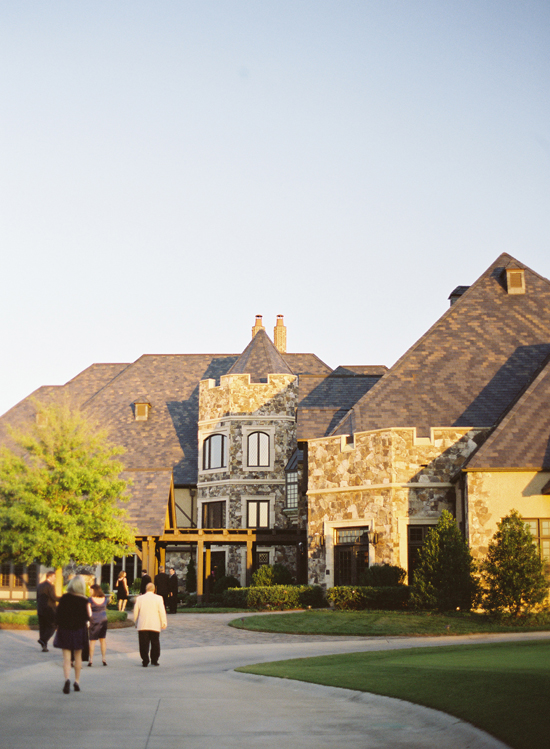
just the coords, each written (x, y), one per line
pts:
(141, 410)
(515, 280)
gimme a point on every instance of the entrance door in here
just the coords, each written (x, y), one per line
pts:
(351, 555)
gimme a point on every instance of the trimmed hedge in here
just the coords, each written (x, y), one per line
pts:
(355, 598)
(275, 597)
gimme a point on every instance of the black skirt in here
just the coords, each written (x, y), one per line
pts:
(71, 639)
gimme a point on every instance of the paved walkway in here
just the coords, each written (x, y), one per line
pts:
(196, 699)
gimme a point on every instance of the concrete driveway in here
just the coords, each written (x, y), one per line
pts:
(195, 699)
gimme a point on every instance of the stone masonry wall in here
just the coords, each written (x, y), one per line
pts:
(383, 460)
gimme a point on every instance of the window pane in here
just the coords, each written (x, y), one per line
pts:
(292, 490)
(215, 453)
(533, 526)
(263, 449)
(5, 575)
(252, 514)
(545, 527)
(264, 515)
(18, 575)
(545, 549)
(253, 449)
(31, 572)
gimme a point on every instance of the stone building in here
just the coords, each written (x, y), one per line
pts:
(269, 456)
(459, 423)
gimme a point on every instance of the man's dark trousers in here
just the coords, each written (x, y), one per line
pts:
(46, 624)
(147, 637)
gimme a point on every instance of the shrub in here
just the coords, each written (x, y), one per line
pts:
(512, 572)
(225, 582)
(272, 574)
(383, 576)
(357, 598)
(444, 579)
(275, 597)
(136, 585)
(191, 577)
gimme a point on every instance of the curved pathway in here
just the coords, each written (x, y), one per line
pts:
(196, 699)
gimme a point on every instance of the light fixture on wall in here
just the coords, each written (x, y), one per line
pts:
(370, 537)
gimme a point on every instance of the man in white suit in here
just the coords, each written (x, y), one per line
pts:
(149, 620)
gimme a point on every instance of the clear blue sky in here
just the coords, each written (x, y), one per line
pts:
(170, 169)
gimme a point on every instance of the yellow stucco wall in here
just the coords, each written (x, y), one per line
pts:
(491, 496)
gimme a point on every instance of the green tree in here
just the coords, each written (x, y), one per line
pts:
(513, 572)
(60, 493)
(272, 574)
(445, 576)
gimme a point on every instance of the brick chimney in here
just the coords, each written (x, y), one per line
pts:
(279, 335)
(257, 325)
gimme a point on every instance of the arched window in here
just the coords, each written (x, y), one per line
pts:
(214, 452)
(258, 449)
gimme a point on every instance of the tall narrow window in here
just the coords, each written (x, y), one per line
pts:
(214, 452)
(258, 450)
(291, 490)
(258, 514)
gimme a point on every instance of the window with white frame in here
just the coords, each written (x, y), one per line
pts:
(257, 513)
(214, 452)
(258, 450)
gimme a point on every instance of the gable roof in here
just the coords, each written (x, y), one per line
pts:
(522, 439)
(469, 367)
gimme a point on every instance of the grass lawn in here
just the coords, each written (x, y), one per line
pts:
(502, 688)
(386, 623)
(29, 619)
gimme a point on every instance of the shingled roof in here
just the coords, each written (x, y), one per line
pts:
(522, 439)
(260, 359)
(469, 367)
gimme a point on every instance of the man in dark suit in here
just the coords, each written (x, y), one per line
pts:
(162, 585)
(173, 596)
(46, 602)
(145, 579)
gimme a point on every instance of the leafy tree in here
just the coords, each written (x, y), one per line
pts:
(60, 493)
(513, 572)
(191, 577)
(444, 578)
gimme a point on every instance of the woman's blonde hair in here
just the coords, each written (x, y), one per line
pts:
(77, 586)
(121, 574)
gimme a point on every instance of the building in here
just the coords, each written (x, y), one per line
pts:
(268, 456)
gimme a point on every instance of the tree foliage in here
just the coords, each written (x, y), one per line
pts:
(445, 576)
(60, 493)
(513, 572)
(272, 574)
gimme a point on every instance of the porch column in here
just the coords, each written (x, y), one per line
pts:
(200, 568)
(162, 554)
(249, 559)
(152, 560)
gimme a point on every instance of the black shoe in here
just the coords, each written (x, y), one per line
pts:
(42, 643)
(67, 687)
(90, 664)
(144, 664)
(76, 686)
(155, 664)
(104, 663)
(45, 650)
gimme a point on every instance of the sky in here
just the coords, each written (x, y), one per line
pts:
(168, 170)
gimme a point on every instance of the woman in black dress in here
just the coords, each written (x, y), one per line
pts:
(122, 590)
(72, 617)
(98, 625)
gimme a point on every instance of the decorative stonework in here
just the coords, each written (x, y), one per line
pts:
(236, 408)
(385, 477)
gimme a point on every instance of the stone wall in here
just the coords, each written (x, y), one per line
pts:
(386, 478)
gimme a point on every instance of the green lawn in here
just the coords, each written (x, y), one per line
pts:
(386, 623)
(24, 619)
(502, 688)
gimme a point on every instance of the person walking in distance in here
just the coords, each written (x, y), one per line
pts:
(173, 587)
(72, 617)
(162, 585)
(145, 579)
(149, 620)
(46, 602)
(122, 590)
(98, 624)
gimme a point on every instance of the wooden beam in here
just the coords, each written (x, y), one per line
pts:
(200, 567)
